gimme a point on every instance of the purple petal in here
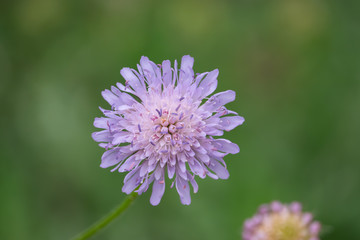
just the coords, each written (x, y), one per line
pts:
(193, 182)
(144, 169)
(295, 207)
(219, 169)
(111, 98)
(186, 68)
(129, 164)
(209, 84)
(276, 206)
(157, 192)
(148, 70)
(102, 136)
(306, 218)
(121, 137)
(103, 122)
(111, 157)
(132, 80)
(132, 182)
(229, 123)
(144, 187)
(218, 100)
(315, 228)
(159, 171)
(183, 189)
(225, 145)
(167, 74)
(202, 157)
(171, 171)
(197, 169)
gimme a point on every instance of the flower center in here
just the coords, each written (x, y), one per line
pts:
(284, 226)
(167, 131)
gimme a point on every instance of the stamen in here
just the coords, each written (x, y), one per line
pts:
(153, 117)
(108, 124)
(155, 138)
(192, 115)
(177, 108)
(179, 125)
(167, 137)
(151, 142)
(159, 112)
(139, 127)
(172, 129)
(131, 166)
(182, 98)
(181, 116)
(165, 112)
(164, 130)
(176, 137)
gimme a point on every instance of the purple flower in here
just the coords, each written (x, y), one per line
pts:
(161, 122)
(277, 221)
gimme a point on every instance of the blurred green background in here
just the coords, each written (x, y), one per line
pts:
(295, 66)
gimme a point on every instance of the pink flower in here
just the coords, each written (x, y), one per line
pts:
(281, 222)
(160, 123)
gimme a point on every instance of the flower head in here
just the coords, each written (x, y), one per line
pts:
(160, 123)
(281, 222)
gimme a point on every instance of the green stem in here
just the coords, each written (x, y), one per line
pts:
(107, 219)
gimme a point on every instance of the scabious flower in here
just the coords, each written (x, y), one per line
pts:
(278, 221)
(161, 123)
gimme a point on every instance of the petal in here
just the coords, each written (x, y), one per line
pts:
(225, 145)
(182, 166)
(132, 80)
(144, 169)
(147, 68)
(218, 100)
(121, 137)
(229, 123)
(219, 169)
(111, 98)
(202, 157)
(157, 192)
(197, 169)
(175, 75)
(129, 164)
(167, 74)
(171, 171)
(183, 189)
(132, 182)
(111, 157)
(209, 84)
(186, 68)
(145, 185)
(159, 171)
(193, 182)
(102, 136)
(315, 228)
(212, 175)
(101, 122)
(180, 173)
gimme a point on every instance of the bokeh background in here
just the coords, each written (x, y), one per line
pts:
(295, 66)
